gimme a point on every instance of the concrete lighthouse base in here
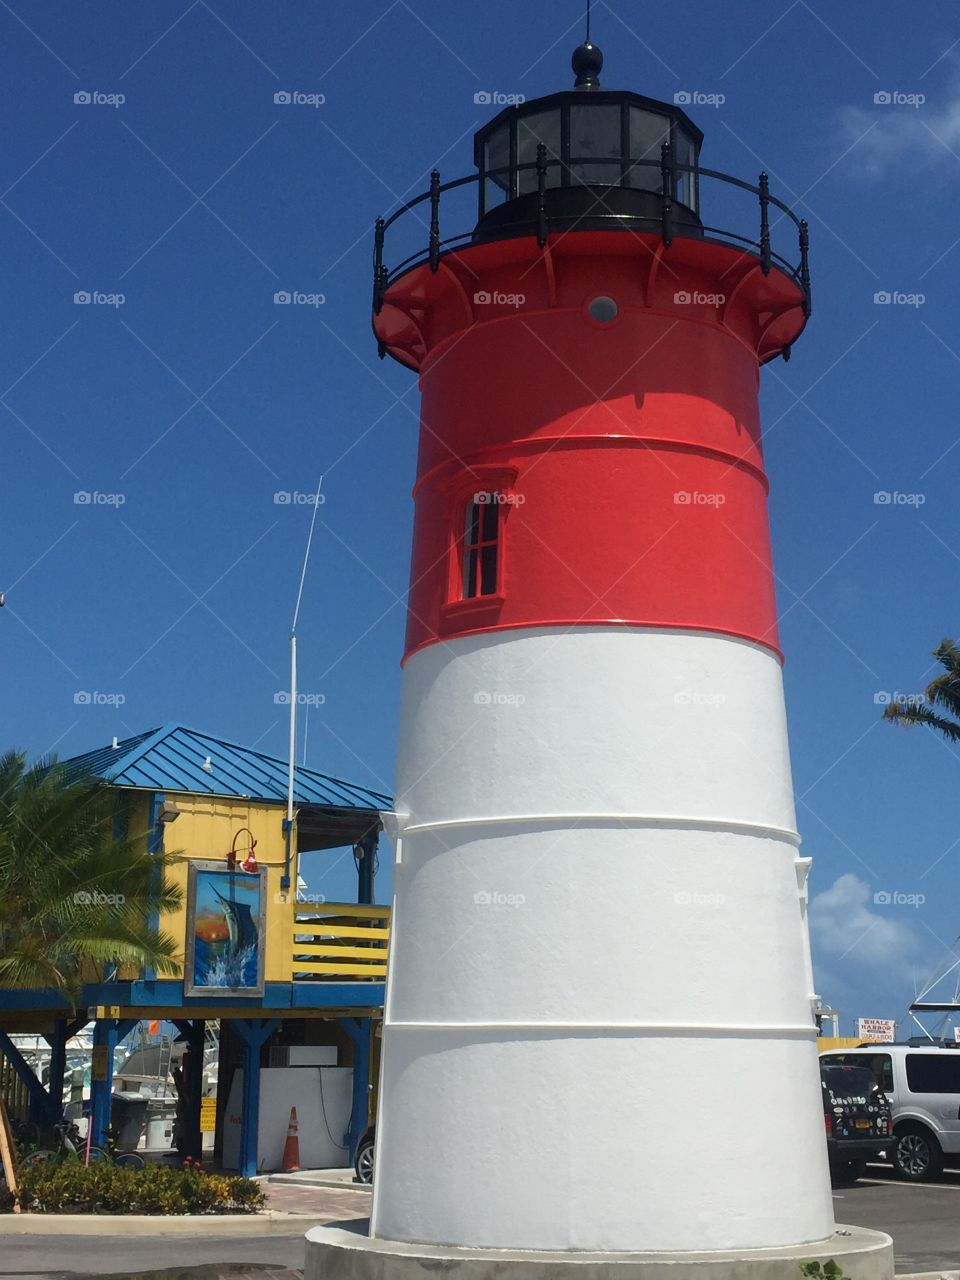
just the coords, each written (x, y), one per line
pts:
(344, 1251)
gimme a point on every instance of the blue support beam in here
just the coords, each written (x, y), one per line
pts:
(358, 1029)
(366, 859)
(107, 1033)
(193, 1087)
(254, 1035)
(57, 1040)
(154, 996)
(101, 1077)
(39, 1098)
(154, 846)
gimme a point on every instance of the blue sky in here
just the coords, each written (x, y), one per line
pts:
(197, 399)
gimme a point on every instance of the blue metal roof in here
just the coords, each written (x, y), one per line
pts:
(175, 758)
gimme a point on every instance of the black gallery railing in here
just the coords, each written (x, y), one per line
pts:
(669, 219)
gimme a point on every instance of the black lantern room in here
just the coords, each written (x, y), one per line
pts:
(590, 158)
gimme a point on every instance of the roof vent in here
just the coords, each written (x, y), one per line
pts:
(115, 744)
(208, 764)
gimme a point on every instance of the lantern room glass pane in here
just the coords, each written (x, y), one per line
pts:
(686, 153)
(496, 155)
(539, 126)
(648, 132)
(595, 135)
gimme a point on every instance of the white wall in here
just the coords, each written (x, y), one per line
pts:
(280, 1089)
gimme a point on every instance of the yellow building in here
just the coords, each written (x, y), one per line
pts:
(275, 970)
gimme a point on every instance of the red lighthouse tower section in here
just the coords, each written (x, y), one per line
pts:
(599, 396)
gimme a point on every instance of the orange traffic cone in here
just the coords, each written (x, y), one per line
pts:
(291, 1148)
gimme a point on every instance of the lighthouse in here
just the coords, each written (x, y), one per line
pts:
(598, 1032)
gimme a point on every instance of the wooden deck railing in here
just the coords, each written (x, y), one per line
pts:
(339, 941)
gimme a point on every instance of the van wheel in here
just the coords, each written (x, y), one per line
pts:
(364, 1161)
(917, 1155)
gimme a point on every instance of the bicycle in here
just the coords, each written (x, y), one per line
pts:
(69, 1143)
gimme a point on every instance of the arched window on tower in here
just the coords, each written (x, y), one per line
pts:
(480, 548)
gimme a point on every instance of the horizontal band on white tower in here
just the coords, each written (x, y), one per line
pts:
(803, 1030)
(621, 819)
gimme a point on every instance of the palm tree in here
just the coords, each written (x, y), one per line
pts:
(76, 894)
(942, 693)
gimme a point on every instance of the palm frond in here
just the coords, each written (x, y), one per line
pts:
(75, 893)
(907, 715)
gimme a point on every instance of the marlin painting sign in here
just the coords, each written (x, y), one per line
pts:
(225, 931)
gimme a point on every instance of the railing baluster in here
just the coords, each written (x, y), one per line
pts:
(671, 191)
(666, 193)
(805, 267)
(434, 220)
(378, 266)
(765, 260)
(541, 194)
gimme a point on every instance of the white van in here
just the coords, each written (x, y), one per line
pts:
(923, 1086)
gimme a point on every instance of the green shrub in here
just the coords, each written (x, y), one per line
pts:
(71, 1187)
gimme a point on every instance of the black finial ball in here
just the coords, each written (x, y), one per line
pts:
(587, 63)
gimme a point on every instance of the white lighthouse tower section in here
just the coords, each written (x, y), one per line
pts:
(598, 1032)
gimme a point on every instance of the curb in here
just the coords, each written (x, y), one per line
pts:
(273, 1221)
(332, 1184)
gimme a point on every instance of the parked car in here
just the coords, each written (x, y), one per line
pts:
(857, 1118)
(922, 1083)
(363, 1163)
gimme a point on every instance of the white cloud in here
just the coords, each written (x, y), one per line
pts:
(846, 925)
(889, 137)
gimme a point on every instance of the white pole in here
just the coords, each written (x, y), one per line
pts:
(293, 658)
(293, 723)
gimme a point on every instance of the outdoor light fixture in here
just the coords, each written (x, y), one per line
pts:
(249, 862)
(169, 812)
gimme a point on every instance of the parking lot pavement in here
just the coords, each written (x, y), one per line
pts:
(924, 1221)
(922, 1218)
(277, 1256)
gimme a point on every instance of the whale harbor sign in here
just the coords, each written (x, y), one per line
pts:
(877, 1030)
